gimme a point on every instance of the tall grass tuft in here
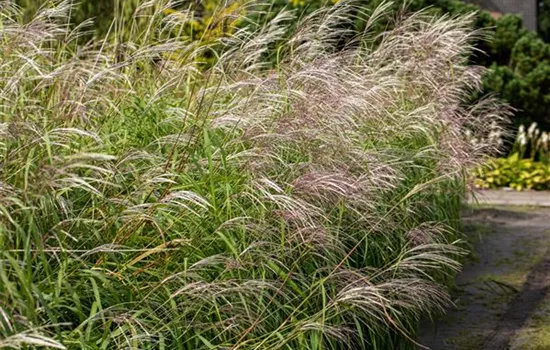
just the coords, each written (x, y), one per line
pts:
(299, 193)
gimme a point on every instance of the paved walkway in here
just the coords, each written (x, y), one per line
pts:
(502, 297)
(513, 198)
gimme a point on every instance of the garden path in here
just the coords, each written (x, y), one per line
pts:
(502, 297)
(512, 198)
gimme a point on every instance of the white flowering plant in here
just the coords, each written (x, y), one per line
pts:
(532, 143)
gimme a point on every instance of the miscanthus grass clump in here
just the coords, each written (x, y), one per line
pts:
(299, 193)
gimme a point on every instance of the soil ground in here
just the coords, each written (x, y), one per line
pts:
(502, 297)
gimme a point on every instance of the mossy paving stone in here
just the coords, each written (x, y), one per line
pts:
(535, 334)
(521, 307)
(501, 286)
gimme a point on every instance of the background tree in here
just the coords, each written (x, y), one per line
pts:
(544, 19)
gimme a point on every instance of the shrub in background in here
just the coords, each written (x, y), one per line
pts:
(527, 168)
(544, 20)
(148, 202)
(514, 172)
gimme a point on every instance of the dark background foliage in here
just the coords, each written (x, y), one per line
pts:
(519, 59)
